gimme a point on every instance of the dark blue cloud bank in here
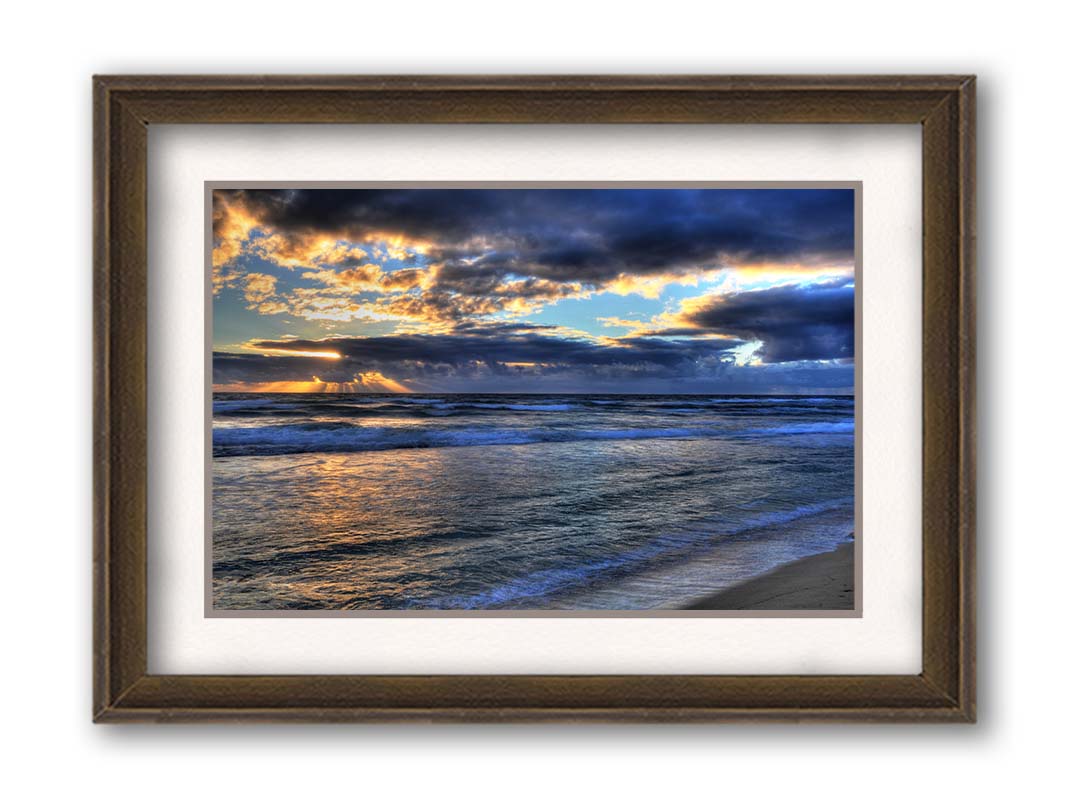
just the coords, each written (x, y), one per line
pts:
(588, 235)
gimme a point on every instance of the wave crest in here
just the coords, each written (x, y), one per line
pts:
(344, 438)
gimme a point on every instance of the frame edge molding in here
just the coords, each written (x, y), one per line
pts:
(124, 106)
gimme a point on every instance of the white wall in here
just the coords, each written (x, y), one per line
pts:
(48, 56)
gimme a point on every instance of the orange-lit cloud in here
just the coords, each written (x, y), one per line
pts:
(371, 277)
(232, 224)
(306, 251)
(235, 219)
(259, 287)
(649, 286)
(273, 351)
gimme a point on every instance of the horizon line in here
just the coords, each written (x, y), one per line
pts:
(619, 394)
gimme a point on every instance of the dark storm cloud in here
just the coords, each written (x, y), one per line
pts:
(795, 322)
(591, 236)
(472, 349)
(443, 215)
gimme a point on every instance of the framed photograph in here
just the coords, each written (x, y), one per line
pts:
(534, 398)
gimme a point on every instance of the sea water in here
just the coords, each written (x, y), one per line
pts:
(559, 502)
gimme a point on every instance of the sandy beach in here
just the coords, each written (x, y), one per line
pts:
(819, 582)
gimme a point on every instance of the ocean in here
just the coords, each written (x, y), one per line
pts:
(519, 502)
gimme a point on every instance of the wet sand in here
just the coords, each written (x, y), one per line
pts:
(819, 582)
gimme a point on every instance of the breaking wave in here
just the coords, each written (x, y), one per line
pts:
(345, 438)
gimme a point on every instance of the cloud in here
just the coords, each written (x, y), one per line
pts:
(656, 368)
(414, 296)
(454, 276)
(305, 251)
(369, 278)
(796, 322)
(541, 244)
(472, 351)
(232, 224)
(259, 287)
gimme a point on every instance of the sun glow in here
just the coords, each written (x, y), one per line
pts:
(363, 382)
(299, 353)
(376, 382)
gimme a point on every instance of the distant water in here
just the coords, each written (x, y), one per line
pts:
(579, 502)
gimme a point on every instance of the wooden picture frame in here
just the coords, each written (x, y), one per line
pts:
(124, 107)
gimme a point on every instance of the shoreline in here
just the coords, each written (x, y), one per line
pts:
(822, 582)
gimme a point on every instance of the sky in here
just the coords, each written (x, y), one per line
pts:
(682, 290)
